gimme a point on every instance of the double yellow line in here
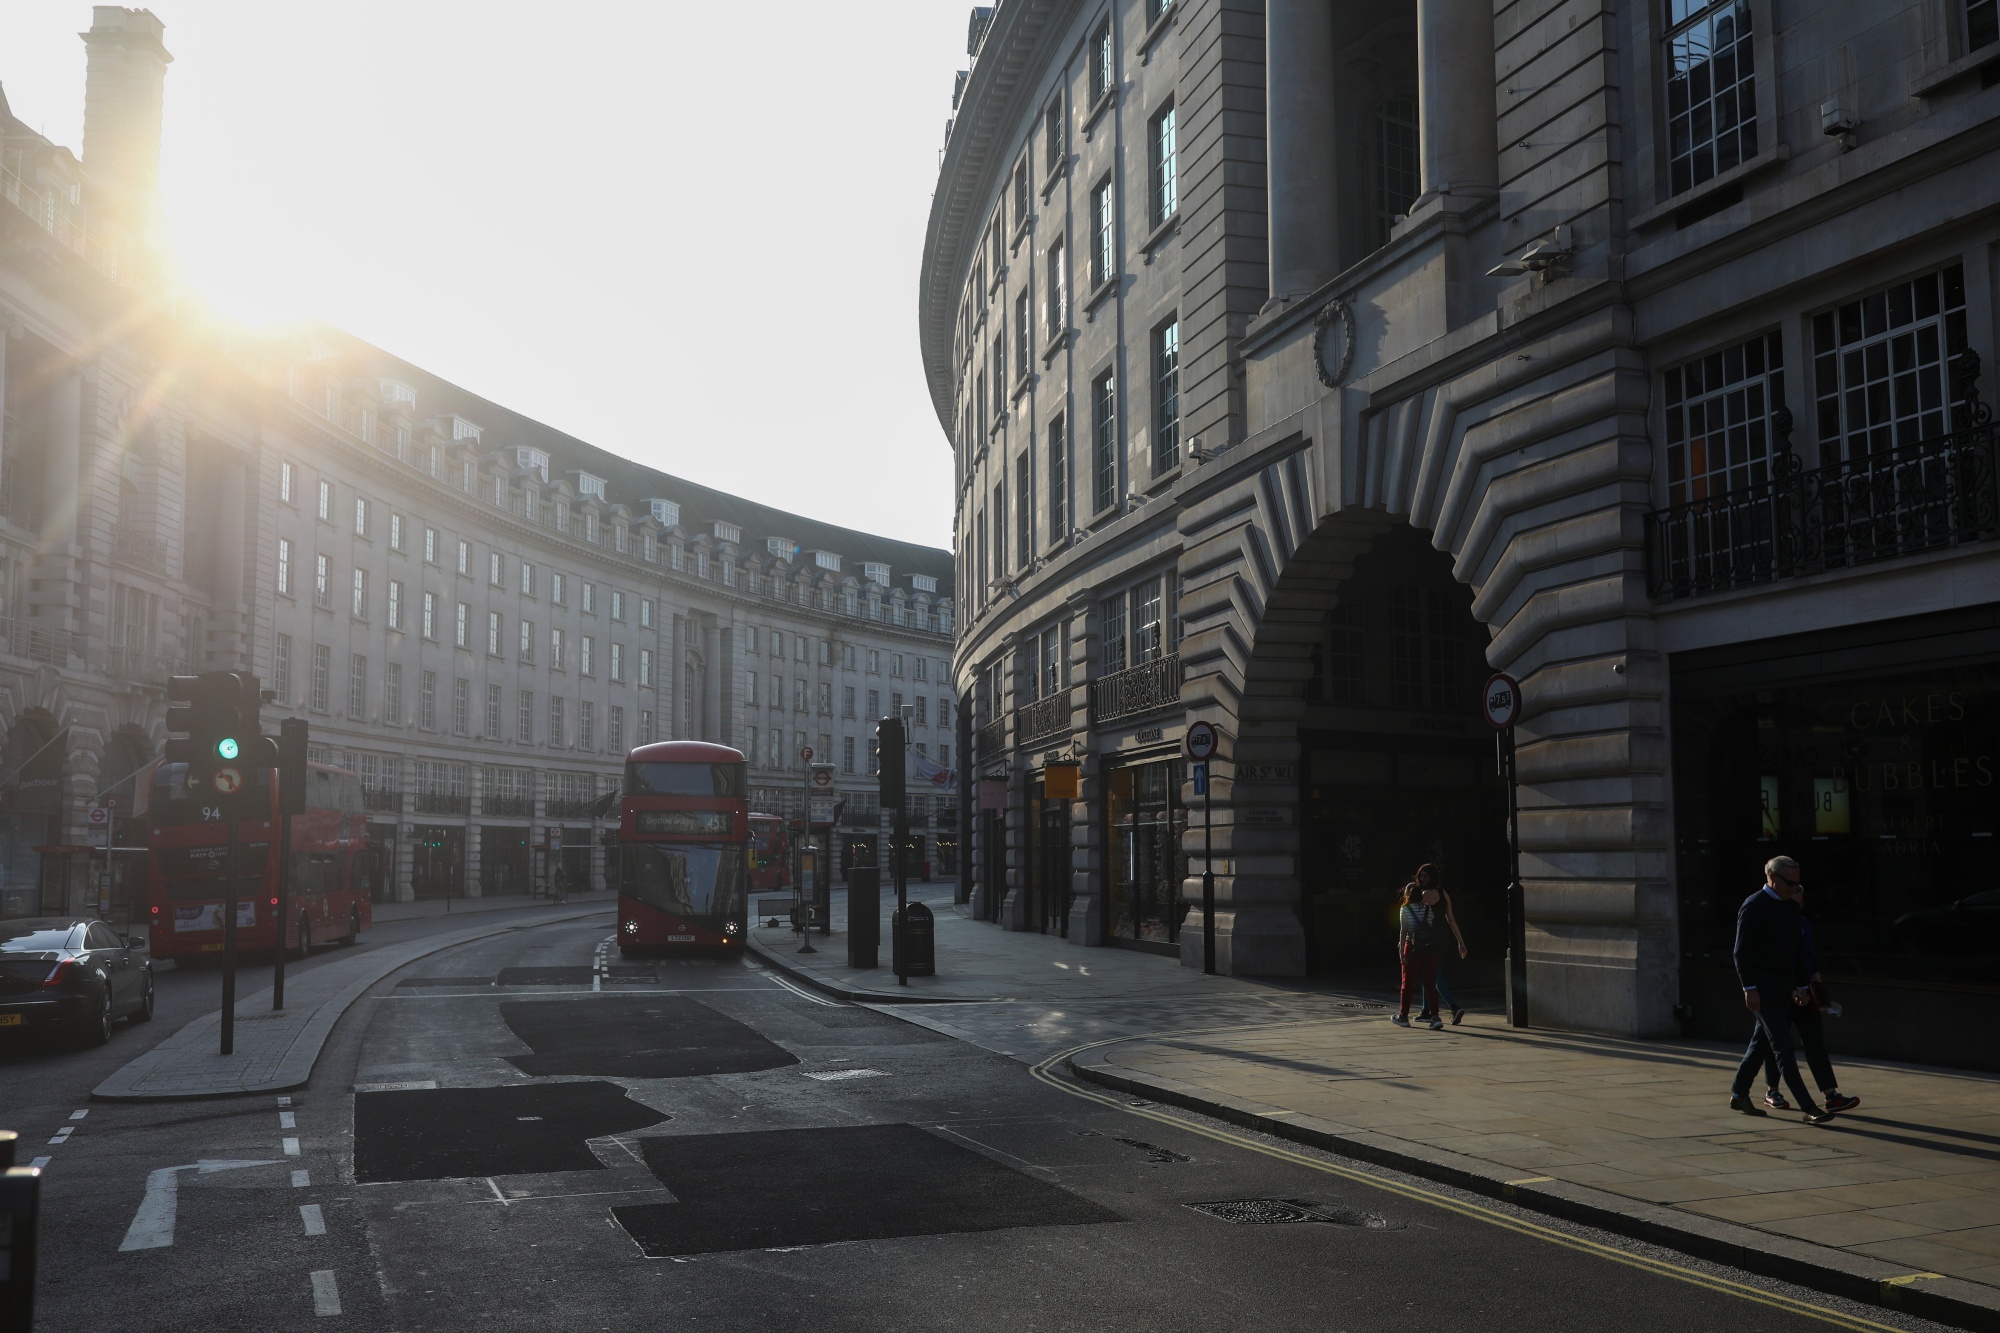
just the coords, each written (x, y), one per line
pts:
(1043, 1072)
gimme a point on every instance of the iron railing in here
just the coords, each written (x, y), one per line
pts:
(571, 809)
(443, 803)
(1044, 719)
(1145, 688)
(1914, 497)
(381, 800)
(139, 664)
(510, 806)
(991, 739)
(39, 643)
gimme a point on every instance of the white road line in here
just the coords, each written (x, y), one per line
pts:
(41, 1162)
(287, 1120)
(62, 1136)
(284, 1101)
(326, 1293)
(801, 991)
(837, 1075)
(301, 1179)
(315, 1221)
(78, 1115)
(153, 1225)
(291, 1147)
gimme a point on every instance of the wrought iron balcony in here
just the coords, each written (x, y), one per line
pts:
(1893, 502)
(572, 809)
(1044, 719)
(443, 803)
(515, 807)
(39, 643)
(380, 800)
(139, 664)
(1146, 688)
(991, 739)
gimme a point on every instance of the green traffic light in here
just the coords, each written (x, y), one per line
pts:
(227, 747)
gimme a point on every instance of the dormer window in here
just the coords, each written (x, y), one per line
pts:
(827, 560)
(532, 460)
(395, 393)
(458, 428)
(781, 547)
(666, 513)
(875, 572)
(589, 485)
(728, 532)
(923, 582)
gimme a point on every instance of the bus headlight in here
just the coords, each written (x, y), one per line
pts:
(730, 927)
(631, 927)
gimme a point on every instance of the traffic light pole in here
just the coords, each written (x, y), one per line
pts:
(230, 811)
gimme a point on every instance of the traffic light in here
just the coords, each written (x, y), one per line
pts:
(889, 743)
(292, 734)
(217, 714)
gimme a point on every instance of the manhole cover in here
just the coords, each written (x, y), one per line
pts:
(1267, 1212)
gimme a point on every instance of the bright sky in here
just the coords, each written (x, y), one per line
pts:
(686, 232)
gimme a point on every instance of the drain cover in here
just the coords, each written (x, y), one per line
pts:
(1266, 1212)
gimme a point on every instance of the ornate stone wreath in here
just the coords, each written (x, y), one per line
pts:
(1323, 326)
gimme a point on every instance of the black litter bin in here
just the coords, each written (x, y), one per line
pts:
(916, 941)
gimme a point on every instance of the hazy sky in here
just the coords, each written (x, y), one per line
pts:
(688, 233)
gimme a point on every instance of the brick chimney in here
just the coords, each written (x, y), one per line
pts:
(123, 89)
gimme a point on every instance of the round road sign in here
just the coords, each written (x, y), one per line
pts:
(1501, 701)
(806, 753)
(1200, 741)
(228, 781)
(99, 816)
(822, 777)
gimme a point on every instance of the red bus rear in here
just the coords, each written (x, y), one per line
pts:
(770, 854)
(188, 842)
(684, 835)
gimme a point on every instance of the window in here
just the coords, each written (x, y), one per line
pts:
(1055, 292)
(465, 558)
(496, 571)
(395, 604)
(999, 512)
(645, 726)
(923, 718)
(847, 655)
(896, 666)
(392, 695)
(1166, 397)
(395, 532)
(322, 676)
(527, 579)
(461, 627)
(1054, 138)
(750, 679)
(281, 669)
(558, 727)
(1058, 450)
(430, 615)
(1112, 634)
(360, 517)
(1102, 239)
(778, 644)
(1163, 168)
(1719, 418)
(326, 501)
(920, 668)
(559, 589)
(284, 566)
(800, 649)
(589, 598)
(1021, 211)
(646, 620)
(461, 706)
(1881, 365)
(1024, 506)
(361, 594)
(586, 725)
(1148, 627)
(874, 704)
(322, 583)
(285, 482)
(430, 546)
(1711, 94)
(646, 668)
(847, 701)
(618, 606)
(556, 649)
(1101, 54)
(527, 648)
(1052, 666)
(1022, 349)
(825, 699)
(492, 730)
(1104, 440)
(847, 754)
(1397, 164)
(1982, 23)
(874, 662)
(427, 688)
(524, 718)
(587, 655)
(614, 730)
(618, 662)
(798, 696)
(493, 634)
(999, 370)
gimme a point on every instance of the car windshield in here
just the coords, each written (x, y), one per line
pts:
(34, 939)
(687, 880)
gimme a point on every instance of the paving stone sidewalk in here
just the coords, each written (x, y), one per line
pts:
(276, 1051)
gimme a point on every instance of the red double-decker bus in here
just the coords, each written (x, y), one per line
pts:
(188, 845)
(770, 853)
(684, 837)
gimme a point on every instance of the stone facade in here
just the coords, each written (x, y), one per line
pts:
(1464, 267)
(477, 613)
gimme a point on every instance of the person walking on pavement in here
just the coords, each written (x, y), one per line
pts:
(1771, 967)
(1807, 1018)
(1427, 878)
(1417, 926)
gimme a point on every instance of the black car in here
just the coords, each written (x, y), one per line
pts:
(71, 975)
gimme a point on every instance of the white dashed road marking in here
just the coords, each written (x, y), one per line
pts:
(78, 1115)
(301, 1179)
(291, 1147)
(286, 1120)
(41, 1162)
(326, 1293)
(315, 1221)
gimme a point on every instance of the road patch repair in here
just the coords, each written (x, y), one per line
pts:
(637, 1036)
(775, 1189)
(525, 1129)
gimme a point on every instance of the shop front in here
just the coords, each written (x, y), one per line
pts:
(505, 866)
(1144, 861)
(1870, 755)
(437, 869)
(381, 861)
(1048, 857)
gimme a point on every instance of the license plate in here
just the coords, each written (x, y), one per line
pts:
(680, 939)
(12, 1020)
(211, 948)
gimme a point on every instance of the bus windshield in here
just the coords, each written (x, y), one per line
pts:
(686, 880)
(174, 802)
(684, 779)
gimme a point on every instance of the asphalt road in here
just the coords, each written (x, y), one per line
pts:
(507, 1136)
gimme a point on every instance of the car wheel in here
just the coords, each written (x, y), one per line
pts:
(97, 1029)
(144, 1013)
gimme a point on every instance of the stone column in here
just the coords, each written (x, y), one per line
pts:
(62, 462)
(1086, 850)
(711, 683)
(673, 675)
(1456, 99)
(1299, 125)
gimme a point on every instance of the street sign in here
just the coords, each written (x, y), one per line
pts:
(1201, 779)
(99, 816)
(1200, 741)
(228, 781)
(806, 753)
(822, 777)
(1501, 701)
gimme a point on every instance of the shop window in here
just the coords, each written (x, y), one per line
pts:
(1397, 173)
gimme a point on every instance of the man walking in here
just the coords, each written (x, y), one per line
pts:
(1771, 968)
